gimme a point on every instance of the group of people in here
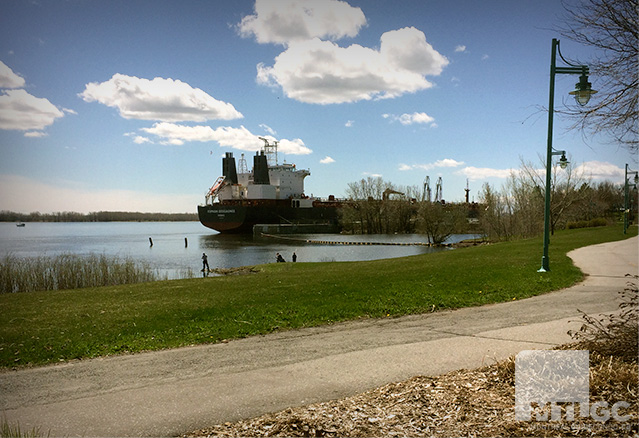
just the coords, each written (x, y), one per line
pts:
(280, 259)
(207, 268)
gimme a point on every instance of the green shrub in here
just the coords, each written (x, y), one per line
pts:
(596, 222)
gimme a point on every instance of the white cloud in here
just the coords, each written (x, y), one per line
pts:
(161, 99)
(321, 72)
(268, 129)
(9, 79)
(327, 160)
(21, 111)
(349, 123)
(138, 139)
(475, 173)
(35, 134)
(410, 119)
(446, 162)
(26, 195)
(237, 138)
(601, 170)
(372, 175)
(285, 21)
(460, 48)
(293, 147)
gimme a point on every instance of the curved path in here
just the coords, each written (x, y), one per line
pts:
(170, 392)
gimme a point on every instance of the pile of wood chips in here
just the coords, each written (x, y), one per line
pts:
(473, 403)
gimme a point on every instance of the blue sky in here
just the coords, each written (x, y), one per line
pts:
(129, 105)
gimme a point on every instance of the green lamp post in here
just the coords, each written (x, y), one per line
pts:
(626, 196)
(582, 93)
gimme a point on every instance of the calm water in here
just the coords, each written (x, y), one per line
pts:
(169, 254)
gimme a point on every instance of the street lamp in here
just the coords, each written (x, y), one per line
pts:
(626, 189)
(582, 93)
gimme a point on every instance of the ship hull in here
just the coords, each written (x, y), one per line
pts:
(241, 216)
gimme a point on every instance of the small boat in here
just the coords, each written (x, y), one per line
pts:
(21, 224)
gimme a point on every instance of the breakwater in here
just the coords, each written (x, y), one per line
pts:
(344, 242)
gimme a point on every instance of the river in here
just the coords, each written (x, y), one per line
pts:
(178, 246)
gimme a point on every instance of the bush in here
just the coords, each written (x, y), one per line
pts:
(614, 334)
(596, 222)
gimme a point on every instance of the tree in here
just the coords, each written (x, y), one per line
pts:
(565, 192)
(517, 210)
(438, 221)
(611, 27)
(377, 207)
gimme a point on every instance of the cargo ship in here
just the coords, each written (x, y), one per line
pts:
(270, 193)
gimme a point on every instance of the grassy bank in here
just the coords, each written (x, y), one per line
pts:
(45, 327)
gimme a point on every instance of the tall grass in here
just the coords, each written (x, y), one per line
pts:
(69, 271)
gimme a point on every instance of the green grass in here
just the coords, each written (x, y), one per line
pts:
(45, 327)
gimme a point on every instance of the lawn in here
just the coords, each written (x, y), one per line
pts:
(45, 327)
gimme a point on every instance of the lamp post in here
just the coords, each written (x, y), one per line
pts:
(582, 94)
(626, 189)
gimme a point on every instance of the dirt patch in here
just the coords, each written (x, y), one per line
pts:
(241, 270)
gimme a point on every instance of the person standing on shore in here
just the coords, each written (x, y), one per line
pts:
(205, 263)
(294, 257)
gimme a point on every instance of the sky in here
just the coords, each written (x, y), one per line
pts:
(130, 105)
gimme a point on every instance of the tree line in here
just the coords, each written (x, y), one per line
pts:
(514, 210)
(376, 206)
(99, 216)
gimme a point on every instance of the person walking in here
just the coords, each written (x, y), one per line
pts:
(205, 263)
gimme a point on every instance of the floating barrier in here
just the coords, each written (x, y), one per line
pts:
(342, 242)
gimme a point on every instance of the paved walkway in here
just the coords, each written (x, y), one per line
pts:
(168, 392)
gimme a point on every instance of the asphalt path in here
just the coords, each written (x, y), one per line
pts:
(169, 392)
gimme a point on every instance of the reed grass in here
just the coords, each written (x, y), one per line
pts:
(69, 271)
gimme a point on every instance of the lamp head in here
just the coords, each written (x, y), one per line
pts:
(563, 161)
(583, 90)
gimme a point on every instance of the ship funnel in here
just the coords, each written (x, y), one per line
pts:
(260, 169)
(228, 168)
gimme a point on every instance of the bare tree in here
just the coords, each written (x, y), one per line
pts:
(611, 27)
(438, 221)
(377, 206)
(565, 189)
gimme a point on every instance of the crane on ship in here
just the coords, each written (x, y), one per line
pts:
(270, 149)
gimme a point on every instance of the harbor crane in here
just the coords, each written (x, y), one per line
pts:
(438, 190)
(426, 195)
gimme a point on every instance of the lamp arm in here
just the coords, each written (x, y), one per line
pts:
(569, 63)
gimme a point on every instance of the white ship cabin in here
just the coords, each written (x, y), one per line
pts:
(264, 181)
